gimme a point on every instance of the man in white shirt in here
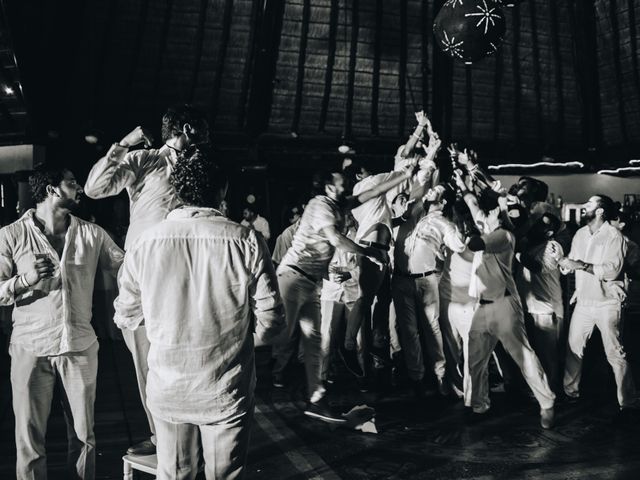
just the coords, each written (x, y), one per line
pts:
(415, 288)
(251, 219)
(200, 323)
(306, 263)
(498, 315)
(48, 262)
(538, 280)
(144, 174)
(597, 258)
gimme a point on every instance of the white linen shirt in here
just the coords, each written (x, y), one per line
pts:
(260, 224)
(145, 175)
(427, 241)
(54, 316)
(202, 283)
(605, 250)
(375, 210)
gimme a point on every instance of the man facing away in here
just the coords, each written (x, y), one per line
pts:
(306, 263)
(597, 258)
(144, 174)
(200, 322)
(48, 262)
(498, 315)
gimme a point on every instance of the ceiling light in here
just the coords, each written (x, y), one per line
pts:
(537, 165)
(8, 90)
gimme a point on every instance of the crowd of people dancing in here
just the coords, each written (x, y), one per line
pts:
(423, 270)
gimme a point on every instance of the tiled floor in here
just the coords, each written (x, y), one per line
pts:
(432, 440)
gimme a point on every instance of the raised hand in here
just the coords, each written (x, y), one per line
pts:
(423, 120)
(137, 136)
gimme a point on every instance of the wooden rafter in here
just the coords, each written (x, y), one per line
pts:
(334, 17)
(304, 34)
(617, 68)
(227, 15)
(199, 43)
(351, 76)
(256, 16)
(537, 81)
(517, 80)
(162, 47)
(555, 46)
(402, 70)
(375, 80)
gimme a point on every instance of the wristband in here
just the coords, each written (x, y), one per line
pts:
(23, 281)
(416, 136)
(117, 144)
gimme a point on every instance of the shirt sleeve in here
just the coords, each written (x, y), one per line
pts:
(262, 225)
(452, 237)
(7, 278)
(613, 259)
(320, 215)
(266, 303)
(114, 172)
(497, 241)
(111, 255)
(128, 304)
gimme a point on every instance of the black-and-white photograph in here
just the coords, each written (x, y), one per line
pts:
(319, 239)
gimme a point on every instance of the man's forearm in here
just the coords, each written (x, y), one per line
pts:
(378, 190)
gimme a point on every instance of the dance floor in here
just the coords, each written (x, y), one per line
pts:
(433, 440)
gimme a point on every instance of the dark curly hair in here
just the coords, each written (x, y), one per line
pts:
(198, 180)
(176, 117)
(39, 180)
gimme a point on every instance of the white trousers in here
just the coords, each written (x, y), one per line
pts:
(335, 317)
(223, 445)
(544, 331)
(32, 380)
(301, 298)
(138, 344)
(417, 303)
(455, 322)
(608, 319)
(503, 321)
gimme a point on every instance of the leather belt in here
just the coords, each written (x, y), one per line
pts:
(416, 275)
(303, 273)
(379, 246)
(482, 301)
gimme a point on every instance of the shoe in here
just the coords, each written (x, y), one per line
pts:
(146, 447)
(350, 359)
(323, 411)
(278, 380)
(547, 418)
(571, 399)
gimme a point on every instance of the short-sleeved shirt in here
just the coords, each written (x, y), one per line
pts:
(283, 242)
(311, 251)
(426, 244)
(375, 211)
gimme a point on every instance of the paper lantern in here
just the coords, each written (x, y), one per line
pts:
(469, 30)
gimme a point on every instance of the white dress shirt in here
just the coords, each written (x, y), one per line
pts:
(54, 316)
(145, 175)
(348, 291)
(203, 284)
(605, 249)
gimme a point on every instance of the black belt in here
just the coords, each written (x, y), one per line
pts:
(416, 275)
(482, 301)
(379, 246)
(303, 273)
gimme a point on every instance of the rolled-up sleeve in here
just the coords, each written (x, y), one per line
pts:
(112, 173)
(7, 278)
(613, 260)
(266, 303)
(128, 304)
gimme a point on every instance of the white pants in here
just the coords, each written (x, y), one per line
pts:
(138, 344)
(417, 303)
(545, 331)
(32, 380)
(455, 321)
(335, 316)
(301, 298)
(503, 321)
(223, 445)
(609, 321)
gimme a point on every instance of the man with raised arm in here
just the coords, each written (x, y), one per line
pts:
(144, 174)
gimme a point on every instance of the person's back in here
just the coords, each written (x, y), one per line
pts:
(202, 284)
(203, 308)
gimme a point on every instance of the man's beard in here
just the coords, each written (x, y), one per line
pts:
(586, 218)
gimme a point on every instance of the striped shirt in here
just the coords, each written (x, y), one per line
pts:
(310, 249)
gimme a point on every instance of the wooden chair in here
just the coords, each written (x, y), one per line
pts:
(143, 463)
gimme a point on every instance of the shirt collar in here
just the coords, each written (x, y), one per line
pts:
(31, 213)
(193, 212)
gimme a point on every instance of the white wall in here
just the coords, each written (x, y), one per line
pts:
(578, 187)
